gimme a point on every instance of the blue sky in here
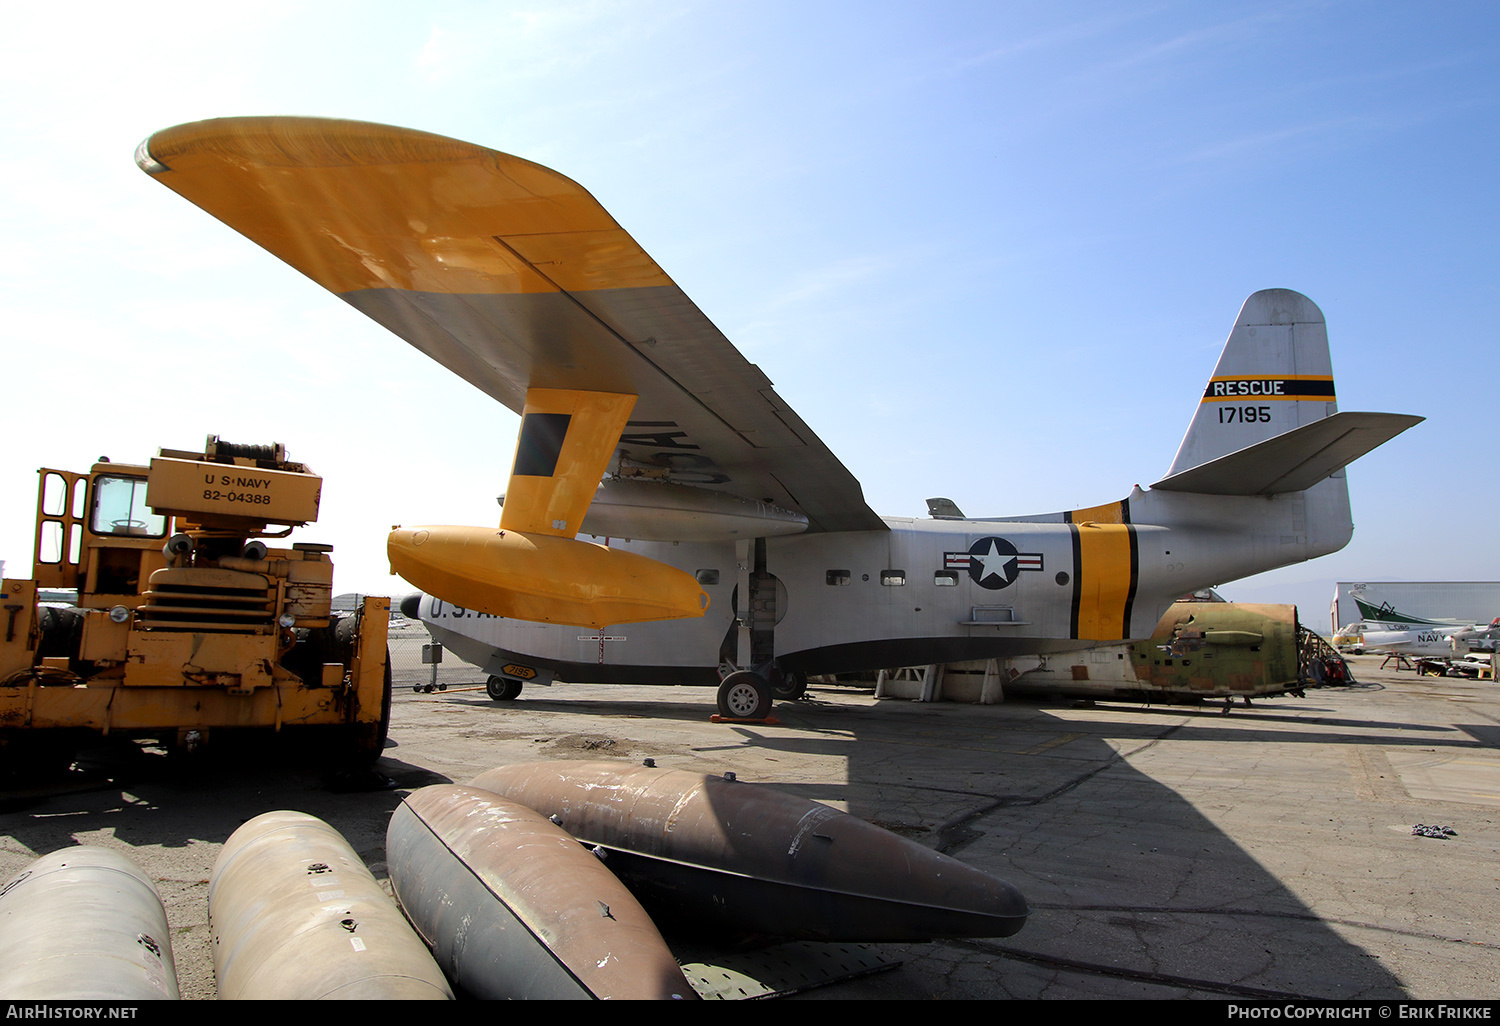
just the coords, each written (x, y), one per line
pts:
(987, 250)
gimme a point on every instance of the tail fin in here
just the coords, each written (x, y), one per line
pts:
(1274, 375)
(1268, 422)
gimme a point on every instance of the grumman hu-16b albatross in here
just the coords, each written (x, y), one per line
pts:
(749, 557)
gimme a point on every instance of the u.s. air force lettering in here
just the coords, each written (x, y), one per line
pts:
(992, 563)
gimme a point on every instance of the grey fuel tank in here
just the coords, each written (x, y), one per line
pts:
(514, 907)
(741, 857)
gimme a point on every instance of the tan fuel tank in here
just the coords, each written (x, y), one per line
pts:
(741, 857)
(514, 907)
(84, 924)
(295, 915)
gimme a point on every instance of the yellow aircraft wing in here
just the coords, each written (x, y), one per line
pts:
(513, 277)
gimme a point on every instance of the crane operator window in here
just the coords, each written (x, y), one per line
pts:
(120, 508)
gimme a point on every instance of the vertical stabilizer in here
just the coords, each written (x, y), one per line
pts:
(1274, 375)
(1262, 464)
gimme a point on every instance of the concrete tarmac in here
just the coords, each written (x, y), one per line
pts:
(1166, 851)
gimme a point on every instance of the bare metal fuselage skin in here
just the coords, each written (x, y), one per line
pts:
(839, 608)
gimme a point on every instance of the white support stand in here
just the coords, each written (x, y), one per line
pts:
(992, 691)
(932, 682)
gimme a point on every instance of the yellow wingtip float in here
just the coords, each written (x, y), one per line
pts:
(540, 577)
(533, 568)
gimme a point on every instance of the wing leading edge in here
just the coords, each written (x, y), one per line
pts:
(513, 277)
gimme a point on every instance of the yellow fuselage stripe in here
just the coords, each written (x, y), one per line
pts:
(1106, 565)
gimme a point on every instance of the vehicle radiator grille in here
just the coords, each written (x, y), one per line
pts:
(177, 607)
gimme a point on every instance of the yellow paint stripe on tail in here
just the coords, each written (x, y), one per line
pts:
(1106, 567)
(1109, 513)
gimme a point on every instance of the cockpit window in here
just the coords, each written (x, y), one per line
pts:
(120, 508)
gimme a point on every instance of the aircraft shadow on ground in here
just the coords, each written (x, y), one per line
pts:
(1128, 881)
(1206, 723)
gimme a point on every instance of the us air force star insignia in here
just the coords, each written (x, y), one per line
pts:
(991, 558)
(993, 563)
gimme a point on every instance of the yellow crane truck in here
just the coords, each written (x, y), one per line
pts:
(186, 622)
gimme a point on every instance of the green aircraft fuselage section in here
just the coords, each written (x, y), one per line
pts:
(1214, 648)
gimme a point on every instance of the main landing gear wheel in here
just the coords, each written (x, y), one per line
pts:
(503, 689)
(744, 695)
(790, 686)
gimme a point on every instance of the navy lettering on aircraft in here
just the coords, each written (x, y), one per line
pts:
(683, 467)
(655, 439)
(992, 563)
(1271, 388)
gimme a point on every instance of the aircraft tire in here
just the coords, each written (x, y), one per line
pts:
(745, 695)
(792, 686)
(503, 689)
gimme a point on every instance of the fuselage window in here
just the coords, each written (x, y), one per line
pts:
(837, 577)
(946, 578)
(708, 576)
(893, 578)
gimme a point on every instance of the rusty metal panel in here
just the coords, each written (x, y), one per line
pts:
(236, 661)
(309, 588)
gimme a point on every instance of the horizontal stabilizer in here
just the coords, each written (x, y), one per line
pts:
(1294, 460)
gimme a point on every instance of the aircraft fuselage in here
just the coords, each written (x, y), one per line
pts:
(923, 591)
